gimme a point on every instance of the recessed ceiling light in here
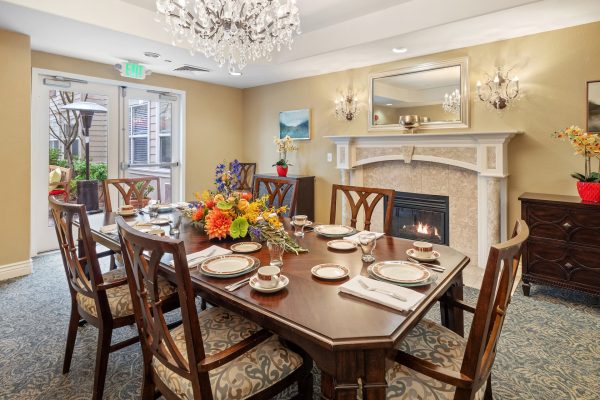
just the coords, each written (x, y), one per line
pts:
(235, 73)
(389, 104)
(399, 50)
(151, 54)
(168, 61)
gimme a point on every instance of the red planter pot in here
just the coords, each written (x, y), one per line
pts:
(589, 191)
(281, 170)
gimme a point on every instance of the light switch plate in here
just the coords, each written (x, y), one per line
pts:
(329, 157)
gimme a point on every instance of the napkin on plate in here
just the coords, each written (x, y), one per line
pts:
(112, 228)
(354, 237)
(199, 256)
(412, 297)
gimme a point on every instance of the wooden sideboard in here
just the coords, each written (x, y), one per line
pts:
(563, 248)
(305, 201)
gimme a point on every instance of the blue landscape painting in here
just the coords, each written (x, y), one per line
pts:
(295, 123)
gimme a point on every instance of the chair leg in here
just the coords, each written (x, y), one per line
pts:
(305, 387)
(203, 305)
(113, 264)
(488, 389)
(71, 336)
(102, 352)
(148, 387)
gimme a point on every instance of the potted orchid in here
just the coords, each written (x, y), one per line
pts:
(284, 146)
(587, 145)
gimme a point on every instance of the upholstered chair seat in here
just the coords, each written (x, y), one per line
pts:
(119, 298)
(248, 374)
(434, 343)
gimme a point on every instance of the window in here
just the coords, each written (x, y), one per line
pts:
(139, 131)
(164, 132)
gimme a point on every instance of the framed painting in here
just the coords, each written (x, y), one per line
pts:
(295, 123)
(593, 106)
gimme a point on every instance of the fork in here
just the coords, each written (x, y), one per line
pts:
(202, 258)
(382, 291)
(237, 285)
(434, 267)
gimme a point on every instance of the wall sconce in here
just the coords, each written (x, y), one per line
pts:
(500, 90)
(346, 107)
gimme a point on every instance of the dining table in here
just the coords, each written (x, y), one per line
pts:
(348, 338)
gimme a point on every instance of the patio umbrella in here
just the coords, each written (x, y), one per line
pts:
(87, 191)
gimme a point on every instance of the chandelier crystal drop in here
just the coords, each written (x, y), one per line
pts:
(451, 102)
(235, 32)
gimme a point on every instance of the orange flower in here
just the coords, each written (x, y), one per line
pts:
(210, 204)
(198, 215)
(246, 195)
(217, 224)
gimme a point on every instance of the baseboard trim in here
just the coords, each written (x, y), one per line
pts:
(14, 270)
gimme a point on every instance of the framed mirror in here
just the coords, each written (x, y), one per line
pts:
(436, 95)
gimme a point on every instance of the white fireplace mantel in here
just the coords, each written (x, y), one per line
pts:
(490, 149)
(485, 153)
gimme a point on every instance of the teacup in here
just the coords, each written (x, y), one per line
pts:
(423, 249)
(268, 276)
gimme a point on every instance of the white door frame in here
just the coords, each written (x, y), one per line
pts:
(39, 152)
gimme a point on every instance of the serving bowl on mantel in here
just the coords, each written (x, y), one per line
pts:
(410, 122)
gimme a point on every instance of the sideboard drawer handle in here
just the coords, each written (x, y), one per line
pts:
(567, 225)
(569, 265)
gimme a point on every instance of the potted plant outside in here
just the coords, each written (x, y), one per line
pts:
(284, 146)
(145, 196)
(587, 145)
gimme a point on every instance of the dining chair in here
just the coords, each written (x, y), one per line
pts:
(247, 176)
(365, 198)
(434, 362)
(131, 189)
(214, 354)
(102, 300)
(281, 192)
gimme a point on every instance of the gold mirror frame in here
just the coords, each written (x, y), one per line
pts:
(463, 62)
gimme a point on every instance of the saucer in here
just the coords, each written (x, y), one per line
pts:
(342, 244)
(127, 213)
(434, 255)
(159, 221)
(255, 284)
(245, 247)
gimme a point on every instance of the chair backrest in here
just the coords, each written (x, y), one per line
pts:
(247, 175)
(142, 254)
(130, 189)
(83, 272)
(365, 198)
(494, 297)
(277, 190)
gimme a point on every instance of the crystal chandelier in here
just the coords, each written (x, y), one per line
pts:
(500, 90)
(451, 102)
(346, 107)
(231, 31)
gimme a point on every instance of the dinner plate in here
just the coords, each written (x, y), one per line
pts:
(330, 271)
(227, 266)
(181, 204)
(164, 209)
(246, 247)
(342, 244)
(334, 230)
(255, 284)
(434, 255)
(432, 279)
(126, 213)
(400, 271)
(146, 228)
(159, 221)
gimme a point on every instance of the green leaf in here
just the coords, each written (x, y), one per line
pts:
(239, 228)
(223, 205)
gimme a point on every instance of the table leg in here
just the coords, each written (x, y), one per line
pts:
(356, 371)
(453, 317)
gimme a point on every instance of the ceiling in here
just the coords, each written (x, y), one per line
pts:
(337, 34)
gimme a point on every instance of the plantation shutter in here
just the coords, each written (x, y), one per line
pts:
(139, 130)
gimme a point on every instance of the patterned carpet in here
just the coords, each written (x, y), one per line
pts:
(549, 348)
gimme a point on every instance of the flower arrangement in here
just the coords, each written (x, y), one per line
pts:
(228, 212)
(284, 146)
(586, 145)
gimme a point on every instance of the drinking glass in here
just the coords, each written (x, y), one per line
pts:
(276, 249)
(367, 243)
(175, 223)
(299, 221)
(153, 208)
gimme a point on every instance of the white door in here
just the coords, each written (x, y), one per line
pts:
(56, 140)
(151, 139)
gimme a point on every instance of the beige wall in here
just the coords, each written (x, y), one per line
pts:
(213, 115)
(553, 68)
(15, 108)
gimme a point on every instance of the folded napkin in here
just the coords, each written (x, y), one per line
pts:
(354, 237)
(112, 228)
(199, 256)
(412, 297)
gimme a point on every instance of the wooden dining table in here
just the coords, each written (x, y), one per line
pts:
(347, 337)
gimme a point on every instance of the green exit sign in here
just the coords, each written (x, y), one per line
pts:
(133, 70)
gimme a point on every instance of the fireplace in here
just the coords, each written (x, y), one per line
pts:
(420, 217)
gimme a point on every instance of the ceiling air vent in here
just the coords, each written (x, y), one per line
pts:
(191, 68)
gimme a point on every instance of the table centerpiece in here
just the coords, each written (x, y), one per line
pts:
(228, 212)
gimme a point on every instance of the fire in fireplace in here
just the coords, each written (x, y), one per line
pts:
(420, 217)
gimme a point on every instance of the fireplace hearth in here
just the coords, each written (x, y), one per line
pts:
(420, 217)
